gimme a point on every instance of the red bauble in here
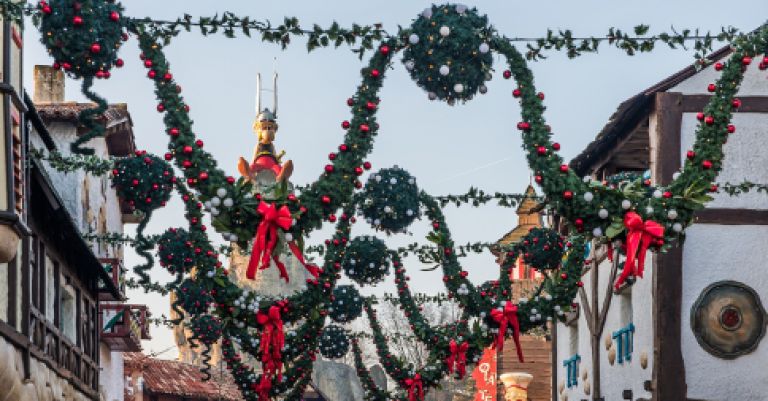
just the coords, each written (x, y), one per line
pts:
(367, 165)
(199, 143)
(647, 183)
(580, 284)
(746, 60)
(709, 120)
(325, 199)
(736, 103)
(148, 63)
(568, 195)
(691, 154)
(107, 74)
(350, 102)
(47, 9)
(706, 164)
(152, 74)
(135, 182)
(168, 156)
(186, 164)
(507, 74)
(538, 179)
(731, 128)
(384, 49)
(343, 147)
(718, 66)
(230, 180)
(203, 176)
(332, 156)
(700, 116)
(66, 66)
(711, 87)
(173, 132)
(119, 62)
(563, 276)
(328, 168)
(187, 149)
(358, 171)
(667, 194)
(95, 48)
(523, 126)
(713, 188)
(370, 106)
(541, 150)
(114, 16)
(563, 168)
(168, 76)
(540, 95)
(292, 197)
(99, 74)
(364, 128)
(186, 108)
(77, 20)
(578, 222)
(556, 146)
(375, 73)
(332, 218)
(516, 92)
(345, 124)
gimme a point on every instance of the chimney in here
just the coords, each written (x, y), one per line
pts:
(49, 85)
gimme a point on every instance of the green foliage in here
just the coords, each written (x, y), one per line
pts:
(541, 249)
(145, 181)
(176, 250)
(334, 342)
(366, 260)
(206, 328)
(449, 53)
(193, 297)
(347, 304)
(390, 200)
(477, 197)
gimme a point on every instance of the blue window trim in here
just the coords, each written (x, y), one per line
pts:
(624, 338)
(572, 370)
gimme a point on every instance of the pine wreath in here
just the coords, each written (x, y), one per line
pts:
(390, 200)
(334, 342)
(206, 328)
(449, 54)
(367, 260)
(347, 305)
(193, 297)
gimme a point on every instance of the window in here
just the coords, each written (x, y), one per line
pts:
(624, 338)
(67, 311)
(572, 370)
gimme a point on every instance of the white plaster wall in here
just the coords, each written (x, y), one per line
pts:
(754, 83)
(713, 253)
(618, 377)
(112, 374)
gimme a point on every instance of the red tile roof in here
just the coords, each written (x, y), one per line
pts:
(164, 377)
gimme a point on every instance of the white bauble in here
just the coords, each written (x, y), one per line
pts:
(677, 227)
(427, 13)
(626, 204)
(602, 213)
(597, 232)
(410, 65)
(444, 70)
(672, 214)
(483, 89)
(216, 202)
(588, 196)
(484, 48)
(221, 192)
(649, 210)
(432, 95)
(393, 181)
(413, 39)
(461, 8)
(228, 202)
(657, 194)
(445, 31)
(458, 88)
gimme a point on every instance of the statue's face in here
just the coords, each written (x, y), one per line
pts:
(266, 131)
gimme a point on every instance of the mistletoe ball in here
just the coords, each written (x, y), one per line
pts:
(193, 297)
(542, 249)
(390, 200)
(176, 250)
(334, 342)
(449, 54)
(145, 181)
(367, 260)
(347, 305)
(82, 36)
(206, 328)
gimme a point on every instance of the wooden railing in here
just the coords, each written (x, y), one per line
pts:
(114, 268)
(124, 326)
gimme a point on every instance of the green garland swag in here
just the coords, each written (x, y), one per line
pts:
(390, 200)
(334, 342)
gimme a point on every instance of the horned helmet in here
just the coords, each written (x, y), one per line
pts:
(265, 125)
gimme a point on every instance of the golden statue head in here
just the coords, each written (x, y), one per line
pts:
(265, 126)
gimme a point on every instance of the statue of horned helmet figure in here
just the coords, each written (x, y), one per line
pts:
(265, 159)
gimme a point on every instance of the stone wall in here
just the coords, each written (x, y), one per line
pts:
(43, 384)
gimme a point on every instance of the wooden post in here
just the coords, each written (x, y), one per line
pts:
(668, 372)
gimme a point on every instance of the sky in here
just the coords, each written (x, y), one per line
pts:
(448, 149)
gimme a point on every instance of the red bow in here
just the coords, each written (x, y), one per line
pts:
(415, 388)
(264, 387)
(265, 241)
(272, 339)
(458, 357)
(640, 234)
(503, 318)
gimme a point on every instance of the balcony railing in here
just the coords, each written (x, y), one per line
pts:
(114, 268)
(124, 326)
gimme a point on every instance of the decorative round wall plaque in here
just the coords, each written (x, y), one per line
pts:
(728, 319)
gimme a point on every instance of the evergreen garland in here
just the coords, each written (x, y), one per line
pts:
(542, 249)
(176, 251)
(334, 342)
(366, 260)
(390, 200)
(347, 304)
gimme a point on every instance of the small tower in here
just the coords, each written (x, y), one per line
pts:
(528, 217)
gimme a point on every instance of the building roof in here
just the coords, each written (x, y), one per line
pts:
(630, 114)
(117, 121)
(166, 377)
(528, 218)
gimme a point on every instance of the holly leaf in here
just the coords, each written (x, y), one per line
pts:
(616, 228)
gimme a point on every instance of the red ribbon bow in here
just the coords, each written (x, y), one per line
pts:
(263, 388)
(415, 388)
(640, 235)
(272, 339)
(505, 317)
(458, 357)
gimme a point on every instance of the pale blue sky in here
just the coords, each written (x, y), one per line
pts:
(438, 144)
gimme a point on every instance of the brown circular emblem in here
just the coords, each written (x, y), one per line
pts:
(728, 319)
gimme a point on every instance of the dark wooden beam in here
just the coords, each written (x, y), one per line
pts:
(668, 371)
(749, 104)
(732, 217)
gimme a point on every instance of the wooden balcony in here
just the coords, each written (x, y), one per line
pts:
(114, 268)
(124, 326)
